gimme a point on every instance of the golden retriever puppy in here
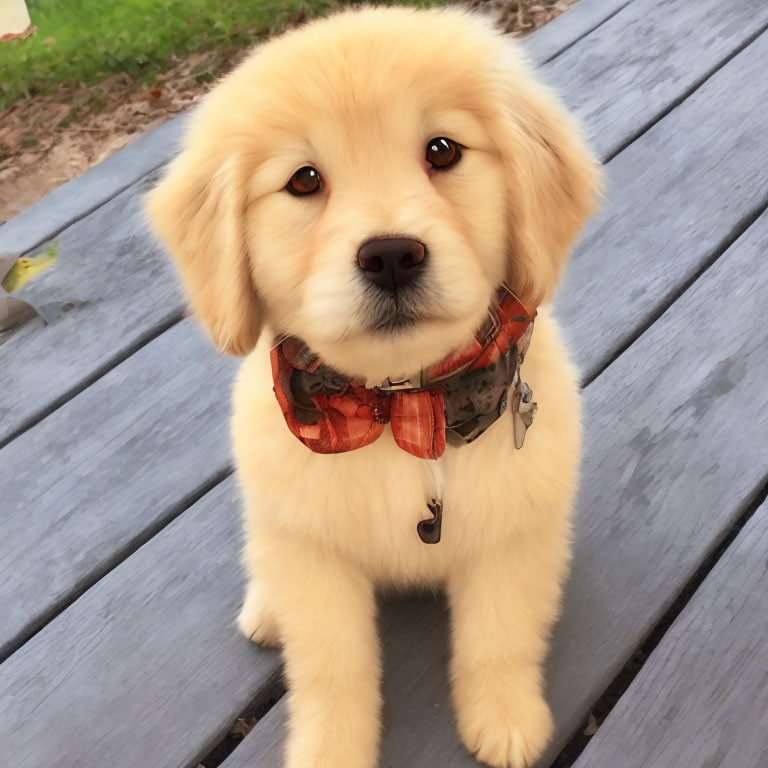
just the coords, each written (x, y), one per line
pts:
(372, 208)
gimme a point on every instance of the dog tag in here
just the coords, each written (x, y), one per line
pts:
(429, 530)
(523, 411)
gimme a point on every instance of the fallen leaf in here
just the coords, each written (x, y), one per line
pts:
(243, 726)
(26, 267)
(592, 726)
(13, 311)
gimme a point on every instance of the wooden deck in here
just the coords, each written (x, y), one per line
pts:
(119, 518)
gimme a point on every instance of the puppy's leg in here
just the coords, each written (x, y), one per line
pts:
(327, 616)
(257, 619)
(502, 611)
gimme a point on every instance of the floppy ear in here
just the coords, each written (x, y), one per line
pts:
(198, 210)
(553, 183)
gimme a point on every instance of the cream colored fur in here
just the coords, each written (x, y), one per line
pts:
(358, 96)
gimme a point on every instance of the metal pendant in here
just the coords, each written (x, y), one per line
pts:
(523, 411)
(429, 530)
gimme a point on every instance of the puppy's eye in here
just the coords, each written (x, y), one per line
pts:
(443, 153)
(304, 182)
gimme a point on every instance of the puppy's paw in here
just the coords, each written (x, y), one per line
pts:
(256, 620)
(506, 733)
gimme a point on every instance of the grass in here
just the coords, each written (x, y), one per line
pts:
(87, 40)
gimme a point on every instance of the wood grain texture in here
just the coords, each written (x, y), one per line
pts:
(676, 196)
(146, 669)
(702, 697)
(122, 286)
(120, 289)
(414, 635)
(570, 27)
(646, 57)
(675, 443)
(77, 198)
(82, 486)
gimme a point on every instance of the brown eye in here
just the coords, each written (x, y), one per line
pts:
(304, 182)
(443, 153)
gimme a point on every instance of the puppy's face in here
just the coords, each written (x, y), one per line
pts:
(366, 183)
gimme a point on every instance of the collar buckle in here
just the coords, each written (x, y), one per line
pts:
(388, 385)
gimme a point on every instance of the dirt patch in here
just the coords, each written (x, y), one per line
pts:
(49, 139)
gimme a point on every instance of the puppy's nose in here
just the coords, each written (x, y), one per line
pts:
(391, 263)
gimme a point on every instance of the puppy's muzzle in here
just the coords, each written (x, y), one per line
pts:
(392, 263)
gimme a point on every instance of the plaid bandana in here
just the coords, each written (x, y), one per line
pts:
(455, 400)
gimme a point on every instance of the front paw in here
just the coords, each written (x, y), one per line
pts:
(256, 620)
(505, 729)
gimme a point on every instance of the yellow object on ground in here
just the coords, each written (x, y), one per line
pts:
(26, 267)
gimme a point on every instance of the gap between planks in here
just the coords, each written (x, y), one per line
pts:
(588, 31)
(92, 378)
(738, 230)
(118, 557)
(632, 668)
(685, 95)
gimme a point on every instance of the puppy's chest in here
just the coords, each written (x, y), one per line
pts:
(372, 505)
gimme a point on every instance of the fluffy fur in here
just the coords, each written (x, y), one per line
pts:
(358, 96)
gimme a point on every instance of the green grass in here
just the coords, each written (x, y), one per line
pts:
(87, 40)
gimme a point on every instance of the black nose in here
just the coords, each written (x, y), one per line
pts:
(391, 263)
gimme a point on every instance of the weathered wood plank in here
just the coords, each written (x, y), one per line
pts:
(564, 31)
(646, 57)
(146, 669)
(77, 198)
(676, 196)
(702, 697)
(120, 289)
(124, 288)
(82, 487)
(676, 442)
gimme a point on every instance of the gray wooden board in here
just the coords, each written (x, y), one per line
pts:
(675, 197)
(702, 697)
(75, 199)
(646, 57)
(146, 668)
(567, 29)
(676, 442)
(123, 288)
(108, 467)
